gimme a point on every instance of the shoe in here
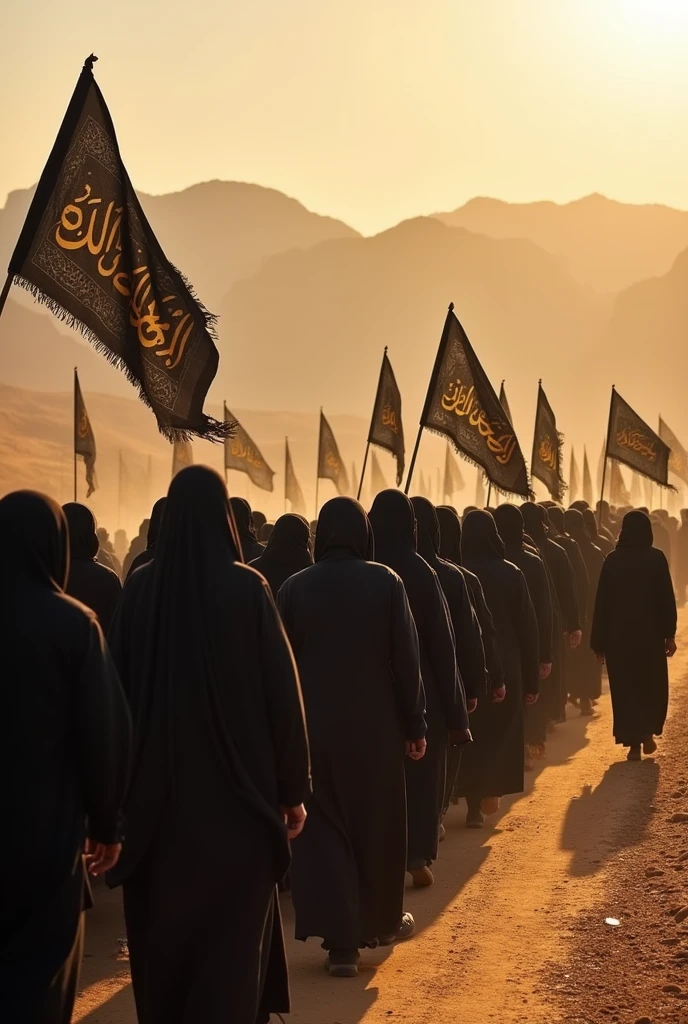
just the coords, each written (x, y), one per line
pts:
(586, 708)
(443, 833)
(649, 745)
(634, 754)
(475, 819)
(404, 931)
(489, 805)
(342, 963)
(422, 877)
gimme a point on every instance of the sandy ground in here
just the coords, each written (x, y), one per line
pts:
(513, 930)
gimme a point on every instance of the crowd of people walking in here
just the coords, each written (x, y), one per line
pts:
(242, 716)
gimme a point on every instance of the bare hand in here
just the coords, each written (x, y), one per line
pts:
(531, 698)
(670, 647)
(101, 857)
(457, 737)
(294, 819)
(415, 749)
(498, 695)
(575, 639)
(545, 669)
(471, 705)
(600, 657)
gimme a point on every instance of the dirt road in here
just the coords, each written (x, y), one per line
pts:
(497, 932)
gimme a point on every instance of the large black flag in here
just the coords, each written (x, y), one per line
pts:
(84, 439)
(678, 458)
(386, 430)
(330, 464)
(244, 456)
(630, 440)
(87, 252)
(548, 445)
(292, 488)
(462, 406)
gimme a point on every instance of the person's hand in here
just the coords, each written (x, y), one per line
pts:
(600, 657)
(457, 737)
(531, 698)
(415, 749)
(498, 695)
(294, 819)
(545, 669)
(471, 705)
(670, 647)
(575, 639)
(101, 857)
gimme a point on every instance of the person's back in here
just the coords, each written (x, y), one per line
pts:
(88, 581)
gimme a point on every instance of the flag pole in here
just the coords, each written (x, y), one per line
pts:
(413, 460)
(286, 447)
(75, 428)
(365, 463)
(5, 292)
(431, 388)
(606, 449)
(317, 468)
(372, 424)
(489, 493)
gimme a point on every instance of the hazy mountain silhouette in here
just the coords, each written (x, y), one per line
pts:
(605, 244)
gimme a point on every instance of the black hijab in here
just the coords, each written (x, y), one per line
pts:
(83, 539)
(509, 522)
(343, 531)
(154, 525)
(36, 543)
(243, 518)
(288, 551)
(636, 531)
(576, 528)
(534, 519)
(427, 529)
(450, 533)
(479, 538)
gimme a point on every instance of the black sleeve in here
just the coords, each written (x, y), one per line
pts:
(666, 600)
(102, 730)
(493, 662)
(441, 653)
(527, 633)
(599, 631)
(566, 590)
(581, 579)
(470, 653)
(284, 705)
(405, 663)
(542, 603)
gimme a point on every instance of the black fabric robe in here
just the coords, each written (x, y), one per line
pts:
(136, 548)
(148, 554)
(88, 581)
(559, 534)
(288, 551)
(220, 747)
(356, 646)
(605, 545)
(64, 756)
(494, 765)
(681, 559)
(585, 671)
(635, 613)
(394, 527)
(243, 519)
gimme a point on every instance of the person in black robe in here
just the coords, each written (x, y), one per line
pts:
(251, 548)
(137, 547)
(259, 521)
(220, 766)
(155, 522)
(682, 559)
(106, 553)
(494, 766)
(633, 631)
(558, 532)
(661, 536)
(509, 520)
(450, 551)
(88, 581)
(568, 628)
(287, 552)
(470, 653)
(266, 532)
(64, 758)
(585, 678)
(356, 647)
(394, 527)
(605, 545)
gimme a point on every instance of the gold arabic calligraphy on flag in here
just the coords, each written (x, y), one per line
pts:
(240, 450)
(461, 400)
(636, 441)
(547, 453)
(389, 419)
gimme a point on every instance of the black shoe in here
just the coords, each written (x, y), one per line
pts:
(634, 754)
(404, 931)
(475, 819)
(649, 745)
(342, 963)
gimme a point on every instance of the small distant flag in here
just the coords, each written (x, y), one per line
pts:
(574, 477)
(84, 439)
(631, 441)
(244, 456)
(548, 443)
(386, 428)
(292, 488)
(678, 459)
(453, 479)
(182, 455)
(330, 464)
(587, 480)
(504, 402)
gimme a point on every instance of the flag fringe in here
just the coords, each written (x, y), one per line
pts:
(563, 486)
(211, 429)
(530, 496)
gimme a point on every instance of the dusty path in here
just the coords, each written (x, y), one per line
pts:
(496, 930)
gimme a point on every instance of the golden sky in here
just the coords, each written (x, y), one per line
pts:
(368, 110)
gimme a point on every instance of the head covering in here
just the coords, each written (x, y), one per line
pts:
(288, 551)
(259, 520)
(636, 531)
(534, 518)
(557, 518)
(343, 531)
(575, 526)
(33, 531)
(155, 521)
(394, 526)
(243, 517)
(580, 505)
(83, 539)
(480, 538)
(450, 534)
(266, 532)
(427, 528)
(509, 520)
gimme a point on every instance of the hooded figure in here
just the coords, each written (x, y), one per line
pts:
(88, 581)
(450, 551)
(605, 545)
(585, 677)
(559, 533)
(106, 553)
(356, 646)
(288, 551)
(394, 527)
(633, 632)
(682, 559)
(137, 547)
(495, 764)
(154, 524)
(220, 763)
(64, 760)
(248, 538)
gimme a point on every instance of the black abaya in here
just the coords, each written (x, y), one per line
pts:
(64, 755)
(357, 650)
(220, 748)
(635, 614)
(585, 671)
(248, 538)
(288, 551)
(148, 554)
(88, 581)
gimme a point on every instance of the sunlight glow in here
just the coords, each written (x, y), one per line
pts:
(656, 14)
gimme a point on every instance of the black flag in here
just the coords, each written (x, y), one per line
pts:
(292, 488)
(630, 440)
(548, 446)
(84, 439)
(462, 406)
(453, 480)
(87, 252)
(678, 459)
(504, 402)
(182, 455)
(330, 465)
(244, 456)
(386, 430)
